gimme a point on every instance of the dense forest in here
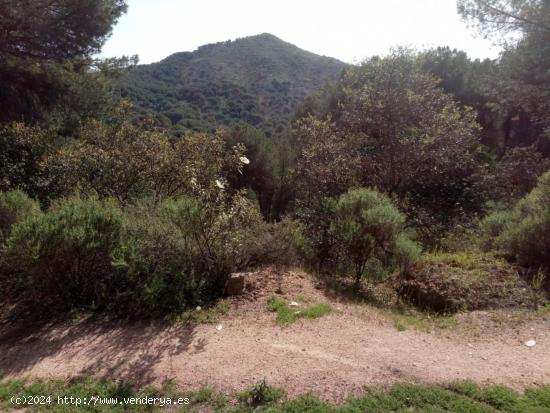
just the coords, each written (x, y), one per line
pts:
(139, 189)
(258, 80)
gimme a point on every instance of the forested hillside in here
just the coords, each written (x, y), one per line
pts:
(258, 80)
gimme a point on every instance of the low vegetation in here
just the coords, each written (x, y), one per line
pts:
(450, 282)
(287, 313)
(456, 397)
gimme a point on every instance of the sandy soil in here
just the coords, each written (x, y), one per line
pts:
(334, 356)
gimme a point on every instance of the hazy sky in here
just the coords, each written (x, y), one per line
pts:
(349, 30)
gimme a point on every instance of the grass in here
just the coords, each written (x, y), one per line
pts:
(466, 260)
(460, 397)
(403, 321)
(287, 315)
(204, 315)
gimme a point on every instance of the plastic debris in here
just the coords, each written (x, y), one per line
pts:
(530, 343)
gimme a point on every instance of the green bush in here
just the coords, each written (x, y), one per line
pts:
(524, 232)
(180, 253)
(369, 230)
(63, 257)
(15, 206)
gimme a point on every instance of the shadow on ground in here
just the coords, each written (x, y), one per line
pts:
(108, 348)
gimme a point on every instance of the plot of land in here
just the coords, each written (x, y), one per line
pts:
(353, 346)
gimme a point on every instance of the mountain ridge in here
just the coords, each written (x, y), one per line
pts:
(257, 79)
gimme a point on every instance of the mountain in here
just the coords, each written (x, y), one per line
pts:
(259, 80)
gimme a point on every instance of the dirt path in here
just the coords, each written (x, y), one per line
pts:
(332, 356)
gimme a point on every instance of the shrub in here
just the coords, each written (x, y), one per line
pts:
(128, 161)
(14, 207)
(524, 232)
(319, 247)
(64, 255)
(180, 253)
(449, 282)
(369, 228)
(21, 150)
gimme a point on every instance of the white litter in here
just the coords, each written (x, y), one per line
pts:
(199, 308)
(294, 304)
(530, 343)
(219, 327)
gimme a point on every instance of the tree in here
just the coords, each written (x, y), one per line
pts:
(394, 129)
(522, 84)
(267, 171)
(46, 63)
(56, 30)
(497, 17)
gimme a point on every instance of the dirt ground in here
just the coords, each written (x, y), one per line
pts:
(333, 356)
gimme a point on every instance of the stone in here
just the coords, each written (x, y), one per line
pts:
(235, 284)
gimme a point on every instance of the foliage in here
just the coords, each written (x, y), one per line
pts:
(15, 206)
(63, 257)
(328, 159)
(22, 148)
(258, 80)
(504, 16)
(319, 249)
(394, 129)
(47, 72)
(523, 232)
(145, 259)
(287, 315)
(267, 174)
(522, 82)
(179, 253)
(369, 228)
(261, 394)
(450, 282)
(47, 30)
(128, 160)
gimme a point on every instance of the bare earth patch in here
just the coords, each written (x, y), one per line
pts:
(333, 356)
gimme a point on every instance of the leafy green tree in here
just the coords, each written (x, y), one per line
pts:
(369, 227)
(46, 63)
(522, 83)
(395, 130)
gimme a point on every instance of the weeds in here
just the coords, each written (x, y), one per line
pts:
(287, 315)
(456, 397)
(207, 315)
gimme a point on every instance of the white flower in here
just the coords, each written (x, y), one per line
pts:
(219, 184)
(244, 160)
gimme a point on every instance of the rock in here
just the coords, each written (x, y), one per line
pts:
(199, 308)
(530, 343)
(235, 284)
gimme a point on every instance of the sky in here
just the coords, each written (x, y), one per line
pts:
(349, 30)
